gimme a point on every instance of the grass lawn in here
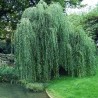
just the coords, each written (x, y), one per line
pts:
(66, 87)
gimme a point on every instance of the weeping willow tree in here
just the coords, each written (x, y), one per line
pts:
(45, 41)
(24, 41)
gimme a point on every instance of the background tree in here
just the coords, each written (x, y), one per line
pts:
(11, 10)
(88, 21)
(10, 13)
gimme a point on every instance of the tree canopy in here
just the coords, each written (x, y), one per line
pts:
(45, 41)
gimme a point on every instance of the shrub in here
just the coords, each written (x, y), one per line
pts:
(7, 74)
(36, 87)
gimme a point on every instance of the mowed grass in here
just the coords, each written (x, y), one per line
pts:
(66, 87)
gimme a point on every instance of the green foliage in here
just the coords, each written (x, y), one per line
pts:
(11, 10)
(60, 1)
(89, 22)
(7, 74)
(75, 2)
(10, 14)
(24, 42)
(36, 87)
(44, 41)
(23, 82)
(76, 20)
(83, 54)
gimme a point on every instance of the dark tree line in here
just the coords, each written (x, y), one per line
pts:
(11, 10)
(10, 13)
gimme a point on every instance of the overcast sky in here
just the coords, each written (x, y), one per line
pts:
(90, 2)
(90, 5)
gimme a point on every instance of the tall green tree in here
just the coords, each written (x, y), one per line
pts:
(45, 41)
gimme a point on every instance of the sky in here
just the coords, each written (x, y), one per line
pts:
(90, 4)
